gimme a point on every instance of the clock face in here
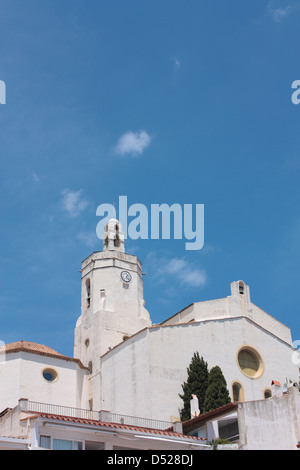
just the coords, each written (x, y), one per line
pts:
(126, 276)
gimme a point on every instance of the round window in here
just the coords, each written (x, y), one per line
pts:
(50, 375)
(250, 362)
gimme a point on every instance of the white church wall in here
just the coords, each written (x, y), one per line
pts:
(9, 381)
(231, 306)
(212, 309)
(270, 323)
(131, 367)
(22, 377)
(161, 356)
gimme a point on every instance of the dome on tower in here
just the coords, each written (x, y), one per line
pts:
(29, 346)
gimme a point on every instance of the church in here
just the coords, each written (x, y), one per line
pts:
(126, 365)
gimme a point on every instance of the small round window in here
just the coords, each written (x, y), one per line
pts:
(50, 375)
(250, 362)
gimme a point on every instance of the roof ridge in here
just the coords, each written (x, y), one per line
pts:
(111, 425)
(37, 348)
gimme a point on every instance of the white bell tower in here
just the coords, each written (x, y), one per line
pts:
(112, 300)
(113, 238)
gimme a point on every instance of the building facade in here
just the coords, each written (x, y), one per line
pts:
(126, 365)
(272, 423)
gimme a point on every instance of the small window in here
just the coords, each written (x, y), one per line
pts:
(237, 392)
(45, 442)
(63, 444)
(50, 375)
(267, 393)
(88, 292)
(241, 288)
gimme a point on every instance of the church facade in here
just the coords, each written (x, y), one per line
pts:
(124, 364)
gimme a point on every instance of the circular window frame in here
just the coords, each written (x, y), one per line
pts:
(261, 366)
(52, 371)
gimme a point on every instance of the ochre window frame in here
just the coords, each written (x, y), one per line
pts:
(258, 357)
(241, 391)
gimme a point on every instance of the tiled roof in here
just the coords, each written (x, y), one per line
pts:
(35, 348)
(193, 423)
(127, 427)
(28, 346)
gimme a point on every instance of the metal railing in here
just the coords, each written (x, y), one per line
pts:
(47, 408)
(106, 416)
(142, 422)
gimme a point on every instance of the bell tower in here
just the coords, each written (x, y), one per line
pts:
(113, 238)
(112, 300)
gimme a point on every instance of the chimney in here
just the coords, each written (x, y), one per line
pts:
(276, 389)
(194, 406)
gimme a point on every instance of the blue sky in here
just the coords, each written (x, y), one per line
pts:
(204, 88)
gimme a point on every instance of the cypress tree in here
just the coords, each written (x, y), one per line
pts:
(216, 393)
(196, 384)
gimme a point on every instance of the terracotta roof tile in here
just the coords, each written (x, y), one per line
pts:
(28, 346)
(193, 423)
(112, 425)
(36, 348)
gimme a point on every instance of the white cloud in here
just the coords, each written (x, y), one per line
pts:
(73, 202)
(185, 272)
(133, 143)
(177, 269)
(278, 14)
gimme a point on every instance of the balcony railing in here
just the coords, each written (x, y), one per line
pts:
(142, 422)
(106, 416)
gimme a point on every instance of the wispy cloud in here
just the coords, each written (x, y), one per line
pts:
(278, 13)
(176, 63)
(73, 202)
(178, 269)
(185, 273)
(133, 143)
(35, 177)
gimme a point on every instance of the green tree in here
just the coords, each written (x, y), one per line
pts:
(196, 384)
(216, 393)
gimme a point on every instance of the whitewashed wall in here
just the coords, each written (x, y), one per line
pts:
(143, 376)
(21, 377)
